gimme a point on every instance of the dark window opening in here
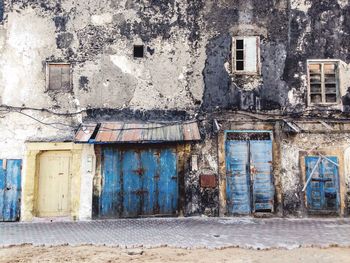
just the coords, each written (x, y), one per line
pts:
(240, 54)
(239, 44)
(139, 51)
(248, 136)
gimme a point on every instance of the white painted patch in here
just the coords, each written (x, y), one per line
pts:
(343, 3)
(291, 96)
(87, 173)
(301, 5)
(126, 65)
(212, 162)
(100, 20)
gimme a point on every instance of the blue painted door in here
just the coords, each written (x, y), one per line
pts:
(237, 177)
(261, 174)
(138, 182)
(249, 183)
(323, 189)
(10, 190)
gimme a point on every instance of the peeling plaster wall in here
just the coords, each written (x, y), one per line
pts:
(291, 32)
(97, 37)
(186, 72)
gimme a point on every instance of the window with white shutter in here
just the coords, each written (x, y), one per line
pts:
(246, 55)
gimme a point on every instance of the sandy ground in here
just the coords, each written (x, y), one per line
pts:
(106, 254)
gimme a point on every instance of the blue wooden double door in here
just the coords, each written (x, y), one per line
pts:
(249, 180)
(323, 188)
(10, 190)
(141, 181)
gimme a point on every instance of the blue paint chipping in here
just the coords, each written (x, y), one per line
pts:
(323, 190)
(261, 162)
(1, 10)
(10, 190)
(138, 182)
(237, 177)
(249, 180)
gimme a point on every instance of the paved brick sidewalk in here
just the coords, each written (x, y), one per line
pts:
(182, 232)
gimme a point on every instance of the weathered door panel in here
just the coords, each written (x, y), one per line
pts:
(168, 182)
(111, 201)
(10, 190)
(331, 183)
(138, 182)
(323, 190)
(261, 175)
(237, 177)
(132, 183)
(2, 190)
(54, 184)
(149, 181)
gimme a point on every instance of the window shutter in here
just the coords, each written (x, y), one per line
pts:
(59, 77)
(54, 77)
(251, 54)
(65, 71)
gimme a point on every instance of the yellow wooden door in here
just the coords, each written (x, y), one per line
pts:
(54, 184)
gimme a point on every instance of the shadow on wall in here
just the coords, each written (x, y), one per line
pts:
(218, 91)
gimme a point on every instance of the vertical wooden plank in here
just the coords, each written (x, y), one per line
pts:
(12, 191)
(132, 183)
(111, 190)
(238, 178)
(222, 174)
(331, 184)
(314, 188)
(2, 190)
(149, 179)
(261, 173)
(55, 81)
(323, 86)
(168, 183)
(65, 77)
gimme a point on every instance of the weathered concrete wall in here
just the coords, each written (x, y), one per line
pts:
(97, 37)
(186, 71)
(291, 32)
(187, 62)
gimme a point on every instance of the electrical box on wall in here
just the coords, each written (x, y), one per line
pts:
(208, 181)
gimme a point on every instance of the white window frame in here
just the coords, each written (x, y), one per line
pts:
(48, 64)
(245, 72)
(323, 93)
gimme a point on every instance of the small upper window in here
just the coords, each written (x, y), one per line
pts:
(139, 51)
(246, 55)
(323, 82)
(59, 76)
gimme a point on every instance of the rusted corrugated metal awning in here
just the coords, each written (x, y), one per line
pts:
(122, 132)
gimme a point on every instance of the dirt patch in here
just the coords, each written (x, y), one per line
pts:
(107, 254)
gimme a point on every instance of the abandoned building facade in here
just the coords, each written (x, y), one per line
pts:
(131, 108)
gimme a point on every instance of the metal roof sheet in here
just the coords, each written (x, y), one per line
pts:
(122, 132)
